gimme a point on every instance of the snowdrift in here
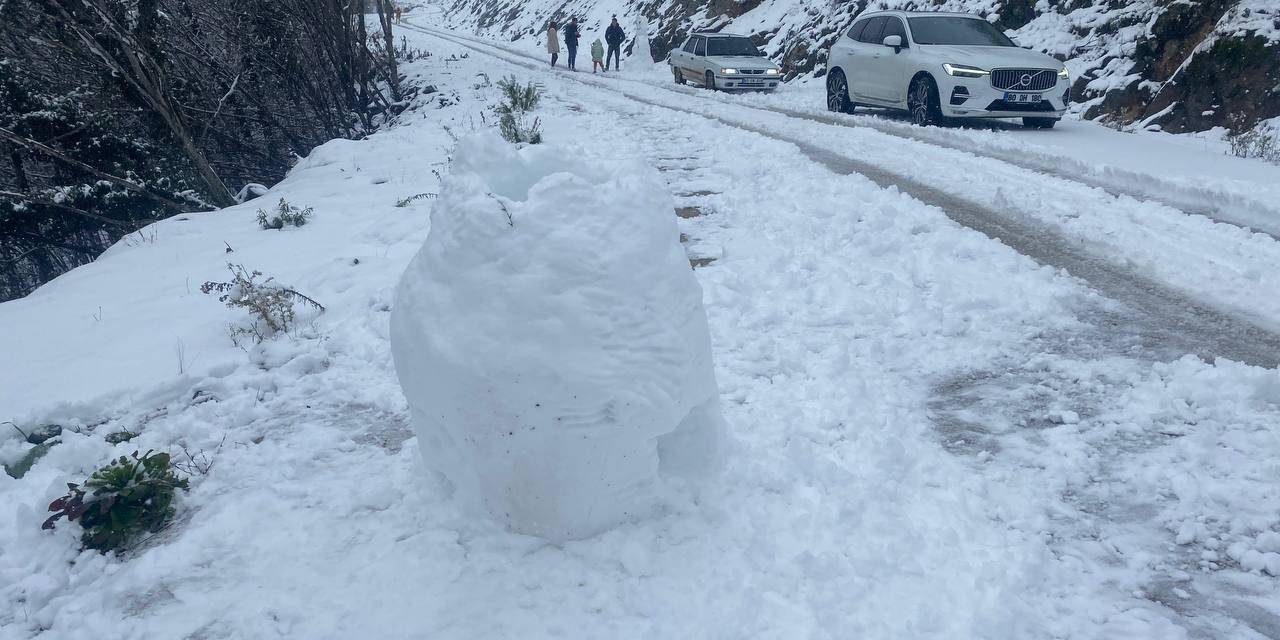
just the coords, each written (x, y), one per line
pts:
(551, 341)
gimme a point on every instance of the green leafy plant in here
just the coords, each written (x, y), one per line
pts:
(270, 305)
(43, 437)
(130, 496)
(286, 215)
(20, 468)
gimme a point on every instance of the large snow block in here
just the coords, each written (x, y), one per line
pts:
(551, 341)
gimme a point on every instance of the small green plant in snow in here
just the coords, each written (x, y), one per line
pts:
(285, 215)
(130, 496)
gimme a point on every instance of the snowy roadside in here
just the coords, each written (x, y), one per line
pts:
(1193, 172)
(1223, 264)
(836, 308)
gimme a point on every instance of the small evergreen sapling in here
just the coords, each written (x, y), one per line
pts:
(518, 100)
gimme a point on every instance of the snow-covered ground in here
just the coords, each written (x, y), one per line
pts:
(929, 434)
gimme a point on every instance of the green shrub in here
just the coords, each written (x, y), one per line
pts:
(130, 496)
(285, 215)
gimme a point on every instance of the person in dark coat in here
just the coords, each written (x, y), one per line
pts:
(614, 36)
(570, 34)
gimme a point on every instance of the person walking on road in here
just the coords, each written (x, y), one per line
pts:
(597, 55)
(571, 42)
(615, 37)
(553, 42)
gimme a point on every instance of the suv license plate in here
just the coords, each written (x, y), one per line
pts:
(752, 82)
(1021, 97)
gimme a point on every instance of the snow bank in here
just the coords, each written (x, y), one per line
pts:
(551, 340)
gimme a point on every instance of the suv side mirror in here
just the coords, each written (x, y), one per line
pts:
(893, 41)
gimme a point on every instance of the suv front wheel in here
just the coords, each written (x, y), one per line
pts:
(838, 93)
(922, 101)
(710, 81)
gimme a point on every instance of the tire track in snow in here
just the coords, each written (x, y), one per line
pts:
(1179, 322)
(1215, 204)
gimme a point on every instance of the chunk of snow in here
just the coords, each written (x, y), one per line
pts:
(551, 341)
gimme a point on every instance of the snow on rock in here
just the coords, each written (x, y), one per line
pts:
(551, 340)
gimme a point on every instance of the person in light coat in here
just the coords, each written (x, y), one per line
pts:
(553, 42)
(597, 55)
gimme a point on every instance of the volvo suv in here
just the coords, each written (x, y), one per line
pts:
(943, 65)
(723, 61)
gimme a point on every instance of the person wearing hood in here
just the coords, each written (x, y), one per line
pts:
(571, 42)
(553, 42)
(615, 37)
(597, 55)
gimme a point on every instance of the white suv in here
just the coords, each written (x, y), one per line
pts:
(943, 65)
(723, 61)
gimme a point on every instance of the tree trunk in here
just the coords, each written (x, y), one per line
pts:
(131, 62)
(385, 12)
(19, 171)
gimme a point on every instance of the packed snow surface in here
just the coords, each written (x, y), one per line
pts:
(929, 435)
(551, 341)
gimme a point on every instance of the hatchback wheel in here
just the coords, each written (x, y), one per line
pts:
(922, 100)
(679, 75)
(709, 81)
(838, 93)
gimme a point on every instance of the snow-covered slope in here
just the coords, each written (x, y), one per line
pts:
(1186, 66)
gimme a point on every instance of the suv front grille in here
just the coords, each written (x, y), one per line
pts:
(1024, 79)
(752, 71)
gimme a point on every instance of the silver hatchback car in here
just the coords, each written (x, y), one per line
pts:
(723, 61)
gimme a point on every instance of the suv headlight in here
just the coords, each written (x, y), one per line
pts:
(1062, 74)
(964, 72)
(729, 71)
(771, 72)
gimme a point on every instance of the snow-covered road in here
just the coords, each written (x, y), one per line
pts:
(1001, 413)
(1178, 299)
(933, 434)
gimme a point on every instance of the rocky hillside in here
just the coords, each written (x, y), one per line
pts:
(1183, 65)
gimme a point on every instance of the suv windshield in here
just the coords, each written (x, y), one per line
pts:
(731, 47)
(962, 31)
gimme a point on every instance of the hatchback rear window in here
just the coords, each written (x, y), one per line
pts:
(960, 31)
(731, 47)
